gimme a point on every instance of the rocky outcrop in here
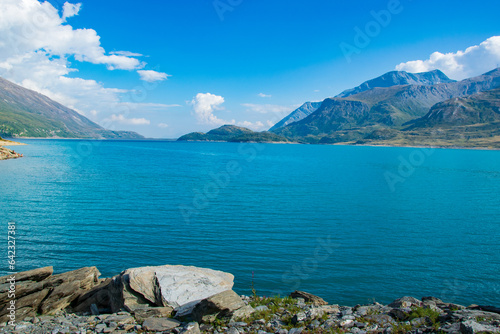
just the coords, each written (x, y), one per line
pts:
(178, 287)
(39, 292)
(309, 298)
(6, 153)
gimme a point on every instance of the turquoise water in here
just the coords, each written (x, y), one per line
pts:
(351, 224)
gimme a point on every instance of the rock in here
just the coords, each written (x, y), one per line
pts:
(106, 296)
(29, 304)
(381, 319)
(94, 310)
(432, 299)
(152, 312)
(69, 287)
(299, 317)
(178, 286)
(220, 305)
(491, 309)
(473, 314)
(144, 281)
(119, 320)
(261, 308)
(243, 313)
(405, 302)
(472, 327)
(35, 275)
(419, 322)
(296, 330)
(160, 324)
(315, 300)
(191, 328)
(399, 314)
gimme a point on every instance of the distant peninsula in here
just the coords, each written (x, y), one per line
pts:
(236, 134)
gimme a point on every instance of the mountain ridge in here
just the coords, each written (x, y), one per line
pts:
(354, 117)
(26, 113)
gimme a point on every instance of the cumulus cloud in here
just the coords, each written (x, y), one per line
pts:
(129, 121)
(35, 44)
(163, 125)
(266, 108)
(474, 61)
(70, 10)
(264, 95)
(255, 126)
(152, 76)
(204, 105)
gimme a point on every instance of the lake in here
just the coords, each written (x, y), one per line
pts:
(351, 224)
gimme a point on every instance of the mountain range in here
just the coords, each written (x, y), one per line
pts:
(26, 113)
(384, 106)
(397, 108)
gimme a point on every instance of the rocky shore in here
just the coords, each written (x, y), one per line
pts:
(6, 153)
(188, 300)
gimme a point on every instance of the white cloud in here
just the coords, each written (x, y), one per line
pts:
(70, 10)
(263, 95)
(266, 108)
(255, 126)
(126, 53)
(475, 60)
(152, 76)
(163, 125)
(129, 121)
(204, 106)
(35, 44)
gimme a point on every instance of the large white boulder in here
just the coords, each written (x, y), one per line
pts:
(178, 286)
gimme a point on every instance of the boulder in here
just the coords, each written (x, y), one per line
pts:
(180, 287)
(492, 309)
(152, 312)
(35, 275)
(472, 327)
(242, 313)
(191, 328)
(221, 305)
(474, 314)
(405, 302)
(68, 287)
(103, 296)
(309, 298)
(160, 324)
(40, 292)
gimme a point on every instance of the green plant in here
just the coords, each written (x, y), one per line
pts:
(401, 328)
(420, 312)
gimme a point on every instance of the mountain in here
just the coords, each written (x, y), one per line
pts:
(298, 114)
(473, 121)
(390, 79)
(232, 133)
(398, 78)
(25, 113)
(354, 117)
(473, 110)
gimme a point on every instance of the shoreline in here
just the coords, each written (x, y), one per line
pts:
(176, 299)
(475, 148)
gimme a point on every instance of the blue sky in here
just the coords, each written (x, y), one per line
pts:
(233, 61)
